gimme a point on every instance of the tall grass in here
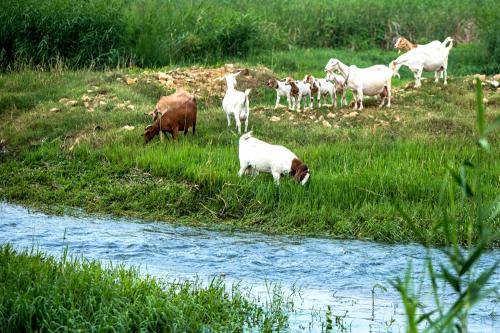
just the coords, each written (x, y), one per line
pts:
(162, 32)
(42, 293)
(458, 274)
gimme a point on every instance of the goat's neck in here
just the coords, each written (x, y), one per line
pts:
(410, 45)
(344, 69)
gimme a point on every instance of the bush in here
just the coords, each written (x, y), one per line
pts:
(161, 32)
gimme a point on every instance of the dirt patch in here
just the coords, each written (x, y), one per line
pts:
(205, 83)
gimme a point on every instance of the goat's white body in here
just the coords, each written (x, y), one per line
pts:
(325, 88)
(283, 90)
(432, 57)
(236, 102)
(368, 81)
(303, 94)
(339, 82)
(259, 156)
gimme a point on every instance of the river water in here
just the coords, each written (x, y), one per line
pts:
(337, 273)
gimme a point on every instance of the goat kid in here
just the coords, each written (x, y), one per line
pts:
(300, 91)
(371, 81)
(339, 82)
(282, 90)
(259, 156)
(322, 87)
(236, 102)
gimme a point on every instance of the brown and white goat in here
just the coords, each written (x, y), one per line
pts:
(179, 118)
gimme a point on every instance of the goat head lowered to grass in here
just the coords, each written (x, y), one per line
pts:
(175, 119)
(258, 156)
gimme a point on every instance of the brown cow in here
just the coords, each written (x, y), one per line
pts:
(179, 118)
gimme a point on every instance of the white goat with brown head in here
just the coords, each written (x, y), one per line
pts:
(299, 90)
(322, 87)
(432, 57)
(282, 90)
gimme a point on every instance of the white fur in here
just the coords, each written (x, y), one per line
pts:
(432, 57)
(259, 156)
(369, 81)
(339, 82)
(283, 90)
(304, 93)
(325, 87)
(236, 102)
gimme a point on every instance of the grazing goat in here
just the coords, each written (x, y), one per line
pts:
(339, 82)
(299, 90)
(259, 156)
(371, 81)
(322, 87)
(236, 102)
(282, 90)
(430, 57)
(170, 101)
(178, 118)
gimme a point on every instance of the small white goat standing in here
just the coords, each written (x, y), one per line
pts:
(236, 102)
(322, 87)
(371, 81)
(300, 90)
(432, 57)
(339, 82)
(282, 90)
(259, 156)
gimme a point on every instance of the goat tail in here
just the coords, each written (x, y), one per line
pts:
(246, 136)
(448, 43)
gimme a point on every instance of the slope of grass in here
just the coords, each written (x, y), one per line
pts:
(363, 167)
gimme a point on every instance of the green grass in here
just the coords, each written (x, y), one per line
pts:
(362, 170)
(44, 294)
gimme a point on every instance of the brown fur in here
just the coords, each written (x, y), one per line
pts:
(272, 84)
(295, 89)
(298, 170)
(171, 101)
(179, 118)
(384, 92)
(405, 44)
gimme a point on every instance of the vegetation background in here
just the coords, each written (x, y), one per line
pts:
(101, 33)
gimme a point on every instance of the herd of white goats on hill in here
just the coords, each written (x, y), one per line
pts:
(177, 112)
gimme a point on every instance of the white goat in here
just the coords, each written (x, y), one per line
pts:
(339, 82)
(300, 90)
(322, 87)
(430, 57)
(236, 102)
(259, 156)
(371, 81)
(282, 90)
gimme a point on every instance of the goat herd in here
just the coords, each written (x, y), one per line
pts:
(177, 112)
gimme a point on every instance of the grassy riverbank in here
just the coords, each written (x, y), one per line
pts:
(42, 293)
(363, 167)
